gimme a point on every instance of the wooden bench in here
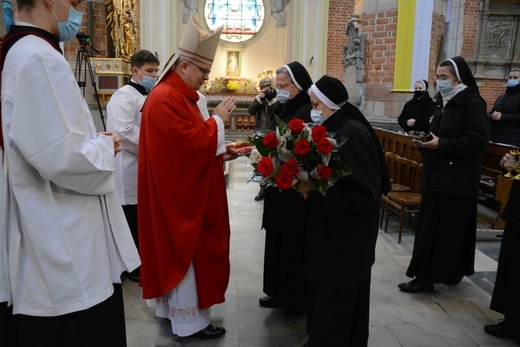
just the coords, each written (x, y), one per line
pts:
(492, 181)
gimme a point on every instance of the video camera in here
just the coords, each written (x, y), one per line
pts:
(84, 39)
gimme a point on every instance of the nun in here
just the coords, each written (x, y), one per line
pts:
(284, 212)
(342, 226)
(445, 237)
(417, 112)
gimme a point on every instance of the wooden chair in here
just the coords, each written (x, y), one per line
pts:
(403, 203)
(399, 184)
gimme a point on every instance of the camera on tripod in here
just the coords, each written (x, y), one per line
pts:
(84, 39)
(270, 94)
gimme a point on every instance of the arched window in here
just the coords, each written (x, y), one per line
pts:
(242, 20)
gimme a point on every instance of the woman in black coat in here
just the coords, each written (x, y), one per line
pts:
(342, 226)
(417, 112)
(444, 247)
(505, 114)
(505, 297)
(285, 212)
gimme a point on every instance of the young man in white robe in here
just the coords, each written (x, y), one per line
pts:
(68, 240)
(124, 120)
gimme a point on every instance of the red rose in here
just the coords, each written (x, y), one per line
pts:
(324, 172)
(324, 146)
(270, 140)
(284, 181)
(296, 126)
(265, 166)
(318, 132)
(302, 147)
(290, 167)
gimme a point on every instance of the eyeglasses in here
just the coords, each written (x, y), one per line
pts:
(205, 72)
(441, 78)
(282, 86)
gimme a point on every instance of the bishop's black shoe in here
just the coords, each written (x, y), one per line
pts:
(209, 332)
(503, 329)
(415, 286)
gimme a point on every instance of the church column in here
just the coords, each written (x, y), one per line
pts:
(161, 27)
(307, 28)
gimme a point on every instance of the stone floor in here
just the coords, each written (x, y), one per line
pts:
(449, 316)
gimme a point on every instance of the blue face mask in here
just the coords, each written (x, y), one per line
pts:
(512, 83)
(444, 86)
(147, 81)
(282, 96)
(69, 28)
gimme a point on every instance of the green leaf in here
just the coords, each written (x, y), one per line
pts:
(282, 127)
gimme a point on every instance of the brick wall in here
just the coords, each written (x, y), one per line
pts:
(99, 38)
(340, 12)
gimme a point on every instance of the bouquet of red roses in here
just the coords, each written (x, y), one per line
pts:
(299, 157)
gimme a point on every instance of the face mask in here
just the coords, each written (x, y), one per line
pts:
(316, 115)
(419, 93)
(512, 83)
(282, 96)
(69, 28)
(147, 81)
(444, 86)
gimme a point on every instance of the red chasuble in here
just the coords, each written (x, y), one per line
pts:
(183, 214)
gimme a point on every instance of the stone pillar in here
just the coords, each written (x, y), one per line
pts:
(161, 27)
(307, 23)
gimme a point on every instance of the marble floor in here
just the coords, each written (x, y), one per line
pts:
(449, 316)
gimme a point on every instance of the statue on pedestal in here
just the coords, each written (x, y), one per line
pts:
(353, 59)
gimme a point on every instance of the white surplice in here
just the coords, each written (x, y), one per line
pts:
(68, 240)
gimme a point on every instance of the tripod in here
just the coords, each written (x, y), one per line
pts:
(83, 57)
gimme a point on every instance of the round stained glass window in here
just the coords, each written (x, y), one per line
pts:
(241, 20)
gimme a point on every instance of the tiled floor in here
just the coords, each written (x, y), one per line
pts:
(449, 316)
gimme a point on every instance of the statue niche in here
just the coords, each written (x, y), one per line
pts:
(123, 26)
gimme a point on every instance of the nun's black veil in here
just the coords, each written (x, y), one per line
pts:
(333, 89)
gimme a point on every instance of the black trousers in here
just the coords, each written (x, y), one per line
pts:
(131, 218)
(6, 326)
(100, 325)
(339, 315)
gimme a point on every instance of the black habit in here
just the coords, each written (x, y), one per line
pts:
(341, 236)
(444, 246)
(420, 109)
(284, 220)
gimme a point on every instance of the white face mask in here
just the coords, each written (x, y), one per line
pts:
(316, 115)
(282, 96)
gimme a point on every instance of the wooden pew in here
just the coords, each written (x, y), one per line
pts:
(493, 180)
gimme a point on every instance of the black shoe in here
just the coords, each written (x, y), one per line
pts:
(261, 195)
(502, 329)
(414, 286)
(134, 275)
(209, 332)
(270, 302)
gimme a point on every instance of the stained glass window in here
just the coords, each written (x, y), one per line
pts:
(241, 19)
